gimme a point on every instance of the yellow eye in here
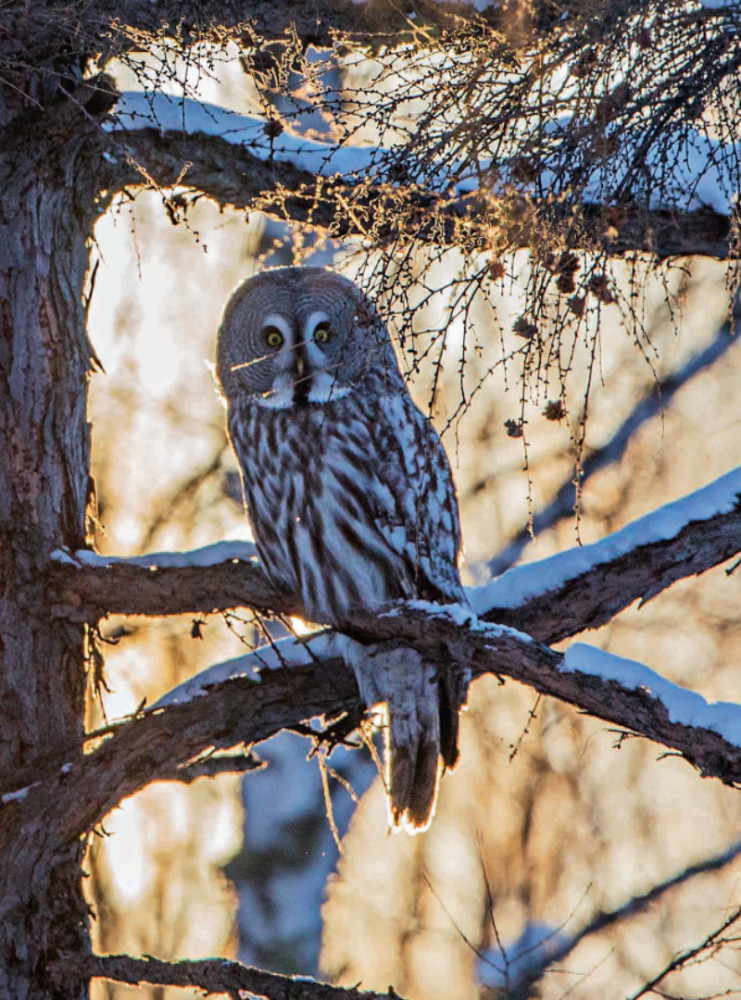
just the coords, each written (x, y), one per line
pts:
(273, 336)
(322, 333)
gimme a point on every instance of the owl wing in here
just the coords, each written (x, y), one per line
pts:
(417, 509)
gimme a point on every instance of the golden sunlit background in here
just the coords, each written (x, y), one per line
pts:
(551, 816)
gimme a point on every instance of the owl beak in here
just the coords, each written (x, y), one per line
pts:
(299, 366)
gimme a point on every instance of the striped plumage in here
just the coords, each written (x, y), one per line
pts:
(348, 490)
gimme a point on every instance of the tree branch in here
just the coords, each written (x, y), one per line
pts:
(679, 961)
(225, 171)
(590, 585)
(87, 593)
(594, 597)
(316, 681)
(232, 176)
(318, 23)
(210, 975)
(35, 35)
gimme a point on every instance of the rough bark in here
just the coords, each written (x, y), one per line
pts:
(44, 484)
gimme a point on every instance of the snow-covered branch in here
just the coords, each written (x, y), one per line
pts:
(88, 586)
(213, 975)
(301, 679)
(586, 586)
(550, 600)
(235, 176)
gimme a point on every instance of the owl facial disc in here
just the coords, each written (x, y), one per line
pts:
(302, 373)
(298, 337)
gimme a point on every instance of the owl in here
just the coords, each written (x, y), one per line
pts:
(349, 493)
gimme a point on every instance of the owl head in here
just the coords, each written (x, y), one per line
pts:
(299, 336)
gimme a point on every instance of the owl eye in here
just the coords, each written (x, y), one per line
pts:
(322, 333)
(273, 336)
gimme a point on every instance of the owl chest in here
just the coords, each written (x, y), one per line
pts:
(286, 471)
(311, 498)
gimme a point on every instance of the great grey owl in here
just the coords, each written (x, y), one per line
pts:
(349, 492)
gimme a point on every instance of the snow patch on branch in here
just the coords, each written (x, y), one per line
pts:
(458, 614)
(139, 110)
(461, 616)
(208, 555)
(524, 583)
(18, 795)
(286, 653)
(683, 706)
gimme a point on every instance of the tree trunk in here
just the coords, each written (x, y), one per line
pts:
(44, 477)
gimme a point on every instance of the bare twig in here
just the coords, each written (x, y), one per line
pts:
(657, 399)
(637, 904)
(712, 942)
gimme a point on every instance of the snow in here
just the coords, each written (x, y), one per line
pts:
(18, 795)
(138, 110)
(459, 614)
(700, 166)
(282, 653)
(523, 583)
(683, 706)
(209, 555)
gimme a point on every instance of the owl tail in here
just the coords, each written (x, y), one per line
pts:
(413, 746)
(422, 731)
(421, 744)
